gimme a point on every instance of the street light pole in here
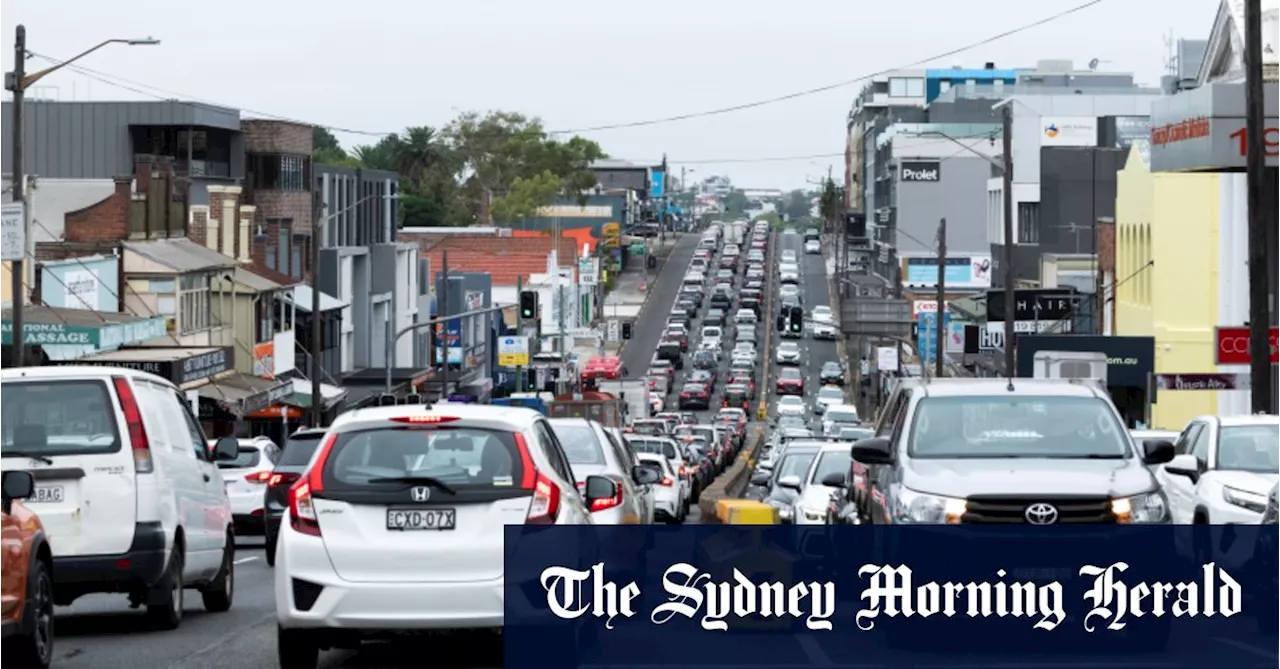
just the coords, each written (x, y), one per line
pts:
(18, 82)
(1010, 281)
(1261, 299)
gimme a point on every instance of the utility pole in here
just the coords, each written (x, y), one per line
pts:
(1010, 282)
(560, 320)
(940, 336)
(18, 271)
(1261, 306)
(662, 209)
(317, 397)
(444, 311)
(519, 330)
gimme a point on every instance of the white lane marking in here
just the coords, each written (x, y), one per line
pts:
(245, 559)
(1248, 648)
(813, 651)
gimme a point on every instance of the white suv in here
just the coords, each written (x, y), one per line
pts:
(245, 479)
(1222, 470)
(126, 486)
(397, 523)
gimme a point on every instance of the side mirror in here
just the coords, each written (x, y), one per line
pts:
(792, 482)
(645, 475)
(598, 489)
(833, 480)
(1156, 452)
(226, 448)
(1184, 465)
(16, 485)
(760, 478)
(873, 451)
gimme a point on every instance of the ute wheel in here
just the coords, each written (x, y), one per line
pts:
(220, 592)
(165, 599)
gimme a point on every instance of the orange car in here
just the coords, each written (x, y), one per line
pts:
(26, 588)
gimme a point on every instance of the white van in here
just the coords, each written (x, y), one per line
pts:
(125, 485)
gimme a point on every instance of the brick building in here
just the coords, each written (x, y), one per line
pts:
(278, 184)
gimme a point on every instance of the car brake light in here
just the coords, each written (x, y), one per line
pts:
(257, 477)
(429, 419)
(546, 494)
(142, 462)
(302, 508)
(281, 478)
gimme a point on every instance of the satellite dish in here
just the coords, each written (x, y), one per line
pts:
(1093, 65)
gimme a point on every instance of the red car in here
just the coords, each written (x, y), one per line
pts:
(736, 396)
(790, 382)
(695, 396)
(742, 379)
(678, 335)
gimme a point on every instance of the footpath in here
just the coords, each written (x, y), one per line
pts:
(631, 292)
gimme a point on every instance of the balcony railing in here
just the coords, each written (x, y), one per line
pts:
(197, 169)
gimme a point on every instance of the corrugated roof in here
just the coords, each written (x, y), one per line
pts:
(181, 255)
(255, 282)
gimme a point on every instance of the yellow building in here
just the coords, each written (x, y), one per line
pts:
(1167, 276)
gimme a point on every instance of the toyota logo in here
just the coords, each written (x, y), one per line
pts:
(1041, 514)
(423, 493)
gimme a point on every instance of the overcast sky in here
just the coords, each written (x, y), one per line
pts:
(378, 65)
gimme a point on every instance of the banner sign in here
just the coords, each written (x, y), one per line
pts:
(1022, 595)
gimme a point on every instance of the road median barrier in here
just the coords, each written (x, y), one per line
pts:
(730, 485)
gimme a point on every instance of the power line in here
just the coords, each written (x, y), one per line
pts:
(136, 86)
(814, 156)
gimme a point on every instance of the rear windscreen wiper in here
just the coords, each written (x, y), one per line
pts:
(10, 453)
(423, 480)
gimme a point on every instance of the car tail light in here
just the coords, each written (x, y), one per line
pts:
(608, 502)
(667, 482)
(142, 462)
(282, 478)
(302, 508)
(257, 477)
(545, 506)
(429, 419)
(724, 403)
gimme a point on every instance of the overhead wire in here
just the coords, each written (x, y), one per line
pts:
(137, 87)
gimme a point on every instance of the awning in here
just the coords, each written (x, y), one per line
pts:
(301, 297)
(300, 394)
(241, 394)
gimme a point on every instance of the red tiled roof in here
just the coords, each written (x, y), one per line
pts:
(503, 258)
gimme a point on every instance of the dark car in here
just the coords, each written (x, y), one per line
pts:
(670, 351)
(752, 303)
(737, 378)
(753, 284)
(721, 298)
(292, 462)
(832, 374)
(692, 294)
(790, 381)
(787, 302)
(704, 360)
(736, 396)
(695, 396)
(679, 316)
(679, 335)
(689, 306)
(714, 317)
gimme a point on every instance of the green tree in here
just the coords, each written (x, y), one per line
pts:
(326, 150)
(525, 196)
(735, 203)
(796, 206)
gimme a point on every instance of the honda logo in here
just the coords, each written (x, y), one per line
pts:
(420, 493)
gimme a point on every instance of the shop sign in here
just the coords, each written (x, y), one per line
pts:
(37, 334)
(1232, 345)
(264, 360)
(202, 366)
(1204, 129)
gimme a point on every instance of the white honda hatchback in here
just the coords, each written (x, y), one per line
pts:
(397, 524)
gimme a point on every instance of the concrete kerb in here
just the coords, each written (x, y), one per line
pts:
(733, 482)
(663, 253)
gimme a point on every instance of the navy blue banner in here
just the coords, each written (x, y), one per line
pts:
(1130, 596)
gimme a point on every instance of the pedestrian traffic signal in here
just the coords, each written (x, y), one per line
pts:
(797, 319)
(529, 304)
(413, 398)
(782, 321)
(626, 330)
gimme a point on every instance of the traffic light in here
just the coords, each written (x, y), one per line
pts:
(529, 304)
(413, 398)
(626, 330)
(797, 319)
(782, 322)
(387, 400)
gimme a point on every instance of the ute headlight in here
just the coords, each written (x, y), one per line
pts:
(1146, 508)
(911, 507)
(1245, 499)
(813, 515)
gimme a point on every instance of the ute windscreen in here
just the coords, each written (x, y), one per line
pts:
(58, 418)
(461, 458)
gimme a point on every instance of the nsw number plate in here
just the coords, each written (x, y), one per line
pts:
(421, 519)
(47, 493)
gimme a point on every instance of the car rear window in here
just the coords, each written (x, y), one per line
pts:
(580, 443)
(59, 418)
(650, 446)
(249, 456)
(460, 457)
(299, 449)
